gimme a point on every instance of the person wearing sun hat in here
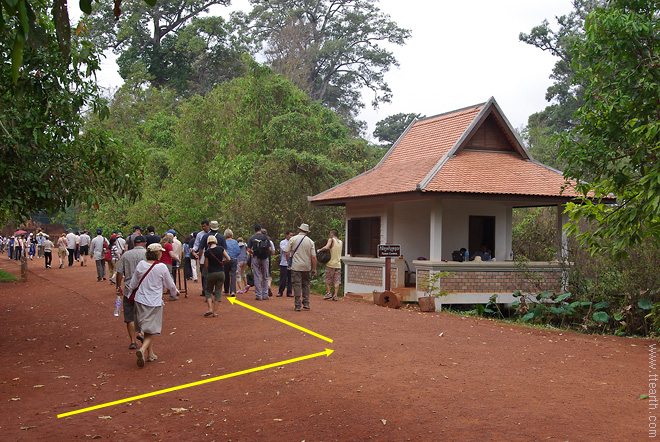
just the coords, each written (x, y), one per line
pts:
(301, 256)
(148, 280)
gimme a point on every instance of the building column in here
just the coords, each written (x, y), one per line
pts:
(435, 252)
(562, 242)
(508, 252)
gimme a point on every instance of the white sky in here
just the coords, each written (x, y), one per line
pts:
(459, 54)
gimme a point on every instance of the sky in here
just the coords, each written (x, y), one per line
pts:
(460, 54)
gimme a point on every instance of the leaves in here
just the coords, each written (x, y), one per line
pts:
(645, 304)
(601, 317)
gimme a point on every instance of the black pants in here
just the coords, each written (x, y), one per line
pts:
(230, 276)
(48, 258)
(187, 268)
(285, 281)
(72, 253)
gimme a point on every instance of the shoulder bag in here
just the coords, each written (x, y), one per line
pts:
(131, 299)
(325, 255)
(294, 252)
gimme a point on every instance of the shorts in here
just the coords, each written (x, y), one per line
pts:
(61, 252)
(129, 310)
(332, 276)
(84, 250)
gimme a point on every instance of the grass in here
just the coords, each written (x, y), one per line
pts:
(7, 277)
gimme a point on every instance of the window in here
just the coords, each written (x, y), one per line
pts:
(482, 232)
(363, 236)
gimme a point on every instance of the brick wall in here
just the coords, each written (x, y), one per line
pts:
(364, 275)
(496, 281)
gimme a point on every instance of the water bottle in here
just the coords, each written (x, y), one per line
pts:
(117, 305)
(467, 256)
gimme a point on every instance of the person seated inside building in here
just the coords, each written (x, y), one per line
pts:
(483, 253)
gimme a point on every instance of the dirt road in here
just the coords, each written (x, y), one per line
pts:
(395, 375)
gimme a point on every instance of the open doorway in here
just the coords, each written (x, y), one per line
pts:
(482, 232)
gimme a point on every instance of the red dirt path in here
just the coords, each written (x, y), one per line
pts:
(391, 377)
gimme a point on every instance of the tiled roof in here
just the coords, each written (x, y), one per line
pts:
(429, 157)
(497, 173)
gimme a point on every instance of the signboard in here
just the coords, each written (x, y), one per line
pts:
(389, 250)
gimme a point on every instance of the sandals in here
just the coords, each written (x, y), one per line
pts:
(133, 346)
(140, 358)
(153, 358)
(327, 296)
(208, 313)
(139, 338)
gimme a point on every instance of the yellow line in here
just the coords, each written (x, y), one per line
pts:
(236, 301)
(327, 352)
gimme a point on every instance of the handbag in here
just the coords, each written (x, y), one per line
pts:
(131, 299)
(325, 255)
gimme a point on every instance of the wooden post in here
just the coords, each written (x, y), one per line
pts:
(24, 268)
(388, 274)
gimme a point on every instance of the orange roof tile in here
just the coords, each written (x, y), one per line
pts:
(497, 173)
(429, 157)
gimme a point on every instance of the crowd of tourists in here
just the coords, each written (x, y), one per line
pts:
(144, 265)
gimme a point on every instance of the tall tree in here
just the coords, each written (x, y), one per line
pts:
(389, 129)
(564, 95)
(615, 144)
(46, 161)
(171, 43)
(331, 49)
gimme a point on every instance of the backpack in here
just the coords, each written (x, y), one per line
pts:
(261, 248)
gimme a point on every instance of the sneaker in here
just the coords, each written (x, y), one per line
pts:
(174, 298)
(279, 295)
(334, 298)
(306, 307)
(297, 309)
(289, 296)
(247, 288)
(327, 296)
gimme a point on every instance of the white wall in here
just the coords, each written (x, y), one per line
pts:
(411, 229)
(455, 224)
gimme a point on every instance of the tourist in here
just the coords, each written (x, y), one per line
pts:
(71, 246)
(84, 242)
(233, 250)
(259, 246)
(332, 275)
(97, 250)
(125, 269)
(148, 281)
(47, 250)
(115, 254)
(151, 237)
(285, 276)
(214, 259)
(241, 277)
(61, 249)
(166, 258)
(301, 256)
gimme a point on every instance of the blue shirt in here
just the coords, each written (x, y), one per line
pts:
(233, 250)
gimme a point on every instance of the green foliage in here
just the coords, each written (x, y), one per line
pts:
(565, 95)
(251, 150)
(614, 147)
(534, 233)
(389, 129)
(330, 49)
(46, 162)
(7, 277)
(431, 285)
(171, 44)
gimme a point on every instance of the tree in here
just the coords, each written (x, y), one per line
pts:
(331, 49)
(171, 43)
(565, 95)
(250, 150)
(389, 129)
(615, 144)
(46, 162)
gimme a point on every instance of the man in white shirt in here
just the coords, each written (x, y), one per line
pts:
(96, 248)
(84, 247)
(285, 275)
(301, 253)
(71, 246)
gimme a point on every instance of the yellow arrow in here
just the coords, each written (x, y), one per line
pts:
(236, 301)
(327, 352)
